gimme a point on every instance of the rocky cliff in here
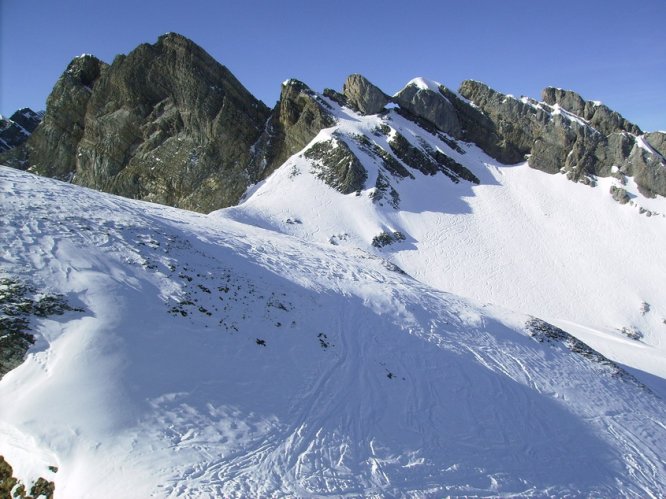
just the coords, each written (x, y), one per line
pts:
(167, 123)
(295, 120)
(564, 133)
(561, 133)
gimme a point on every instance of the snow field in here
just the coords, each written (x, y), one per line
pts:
(218, 358)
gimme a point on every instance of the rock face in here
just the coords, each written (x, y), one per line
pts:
(363, 95)
(297, 118)
(166, 123)
(53, 147)
(431, 105)
(507, 125)
(335, 164)
(558, 139)
(598, 115)
(657, 141)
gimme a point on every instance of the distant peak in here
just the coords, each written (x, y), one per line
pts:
(294, 84)
(363, 95)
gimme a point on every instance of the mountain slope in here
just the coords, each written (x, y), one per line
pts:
(509, 235)
(216, 358)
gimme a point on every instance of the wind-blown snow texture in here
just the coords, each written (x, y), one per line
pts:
(218, 358)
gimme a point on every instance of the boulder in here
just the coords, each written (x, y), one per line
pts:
(619, 194)
(363, 96)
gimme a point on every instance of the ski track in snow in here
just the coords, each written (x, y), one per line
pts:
(409, 391)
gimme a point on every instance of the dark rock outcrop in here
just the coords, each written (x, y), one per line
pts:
(429, 161)
(544, 332)
(10, 486)
(297, 118)
(596, 114)
(430, 105)
(165, 123)
(385, 238)
(19, 302)
(335, 163)
(363, 96)
(558, 139)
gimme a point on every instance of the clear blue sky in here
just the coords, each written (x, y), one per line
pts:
(608, 50)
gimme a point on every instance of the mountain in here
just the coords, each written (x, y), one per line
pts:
(453, 217)
(165, 123)
(195, 356)
(169, 124)
(431, 293)
(16, 130)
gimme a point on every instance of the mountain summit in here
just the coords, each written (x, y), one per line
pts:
(431, 293)
(169, 124)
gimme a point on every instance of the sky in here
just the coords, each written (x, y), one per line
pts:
(611, 50)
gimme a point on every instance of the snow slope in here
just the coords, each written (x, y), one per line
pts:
(214, 358)
(522, 239)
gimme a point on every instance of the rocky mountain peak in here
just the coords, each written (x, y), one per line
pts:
(363, 95)
(164, 123)
(84, 69)
(27, 118)
(169, 124)
(16, 129)
(295, 120)
(425, 100)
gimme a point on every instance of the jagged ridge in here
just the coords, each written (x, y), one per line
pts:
(167, 123)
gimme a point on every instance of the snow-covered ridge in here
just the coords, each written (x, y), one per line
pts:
(425, 84)
(462, 237)
(214, 358)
